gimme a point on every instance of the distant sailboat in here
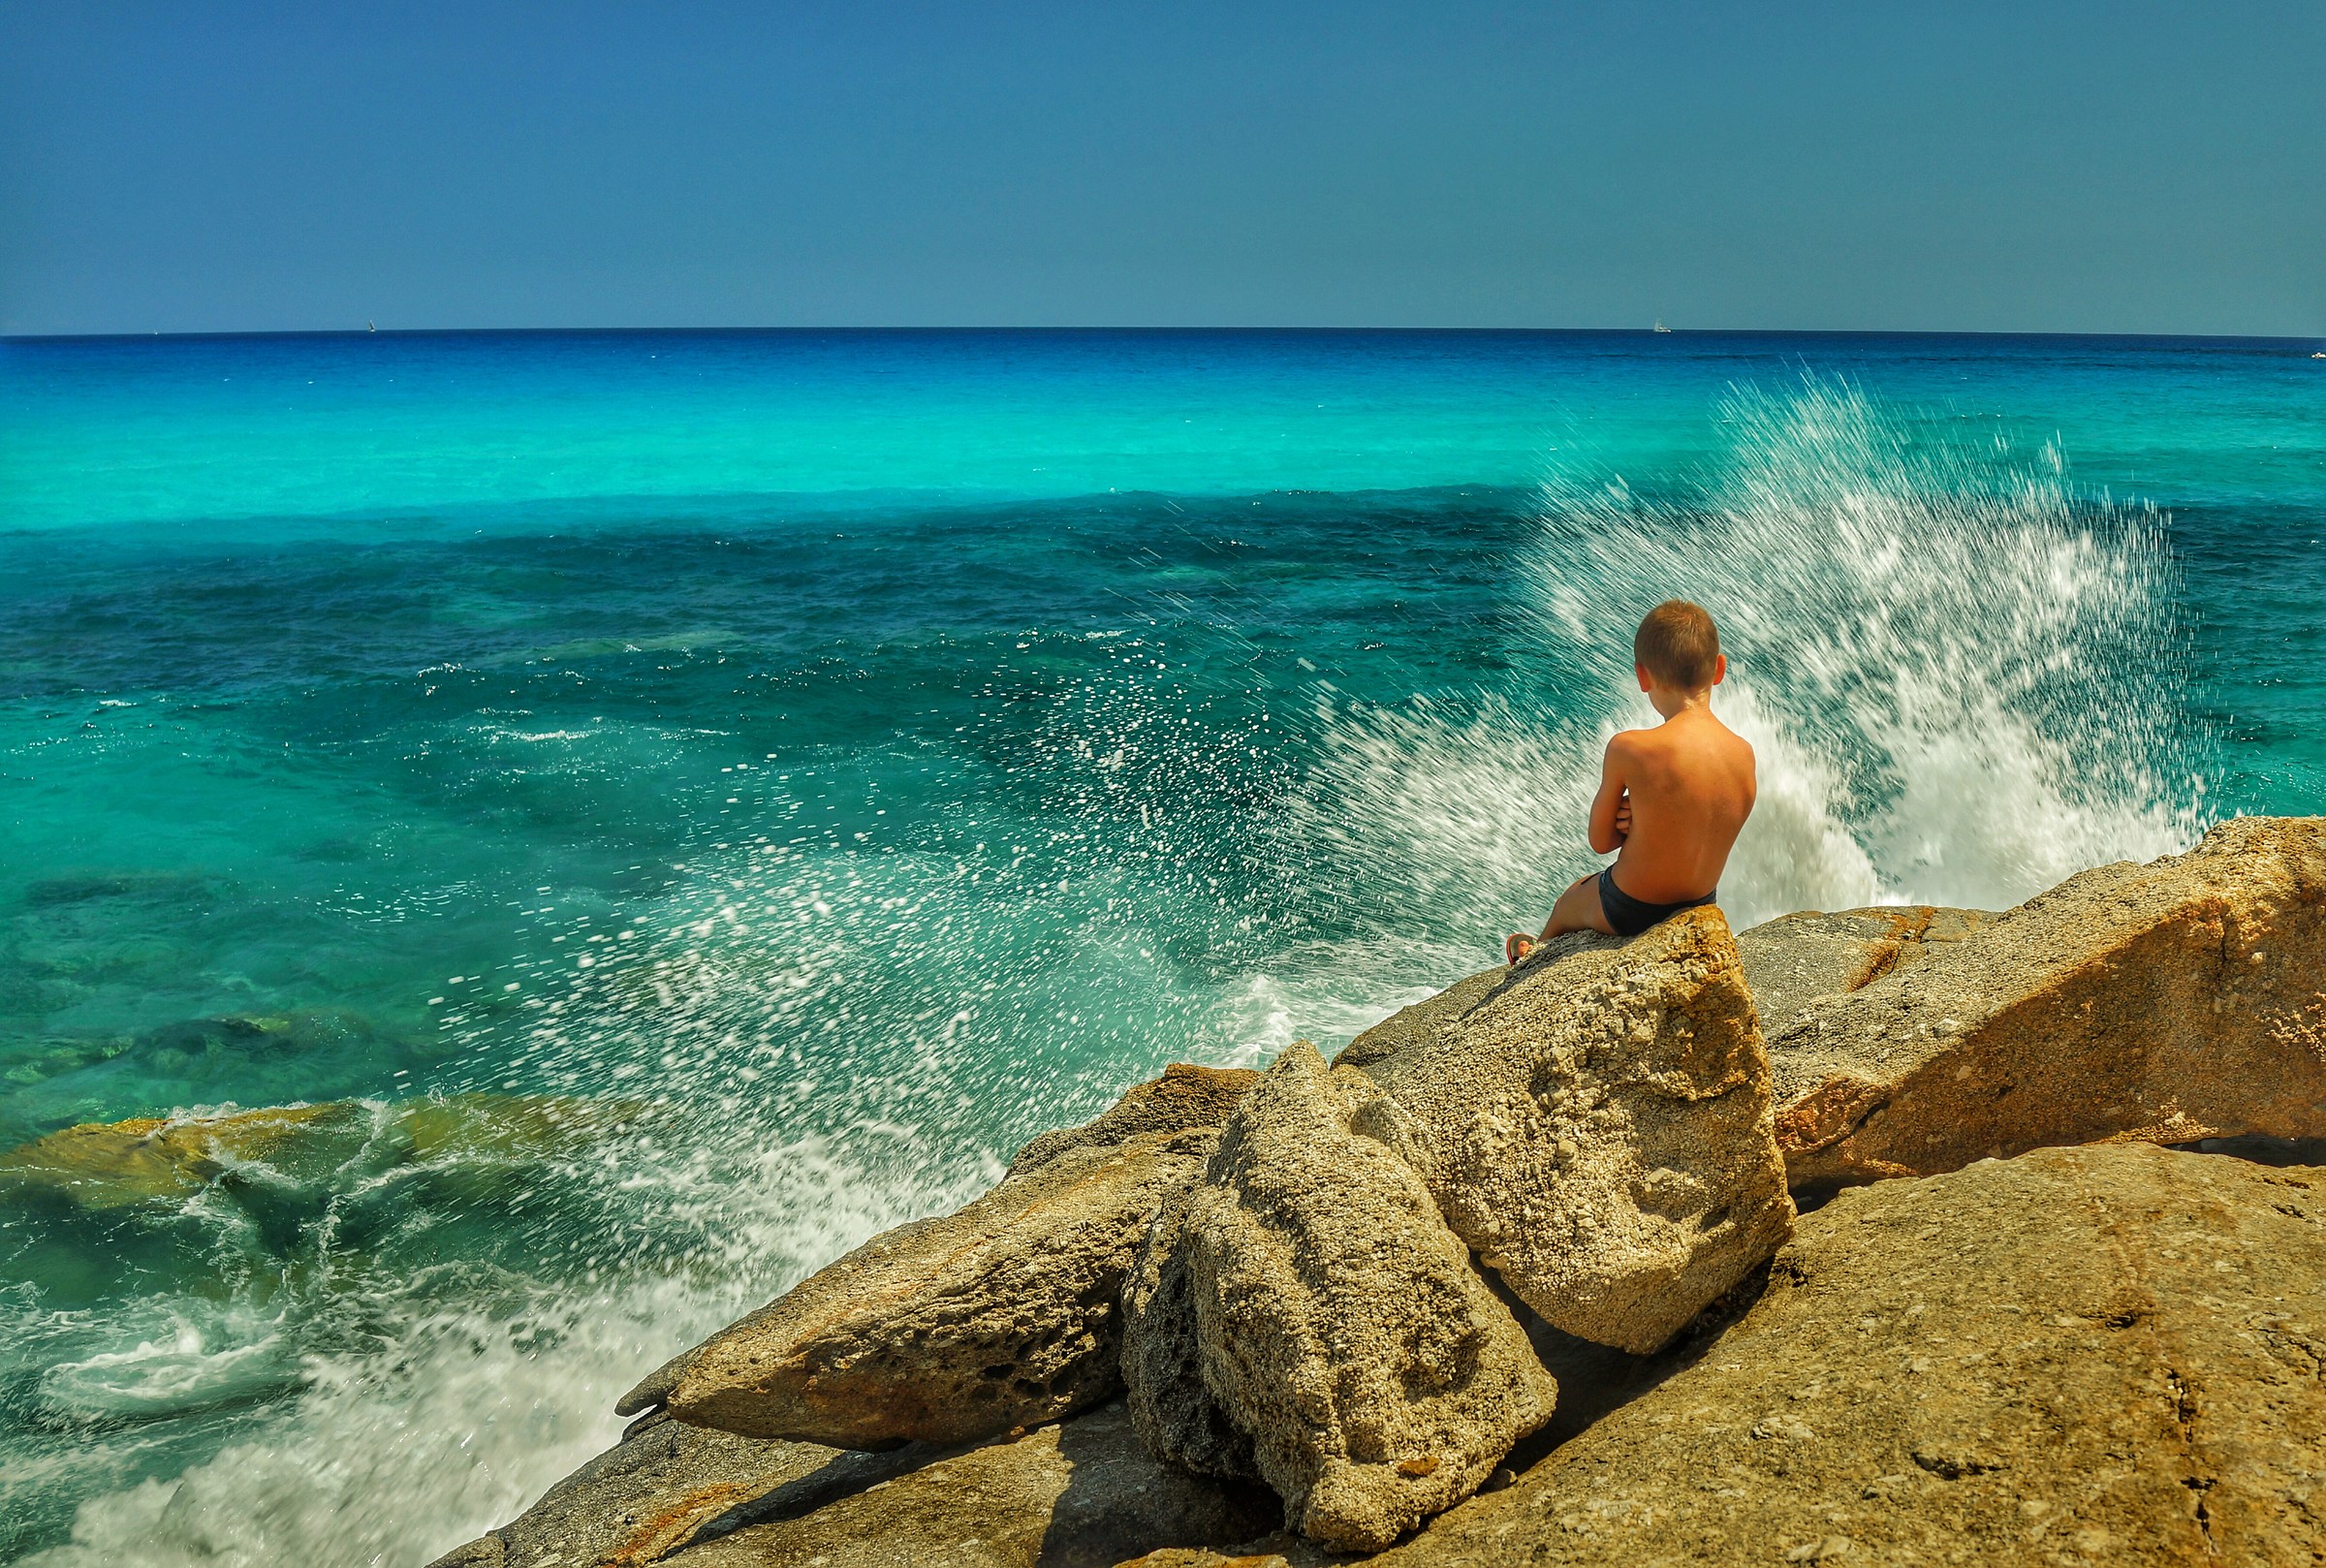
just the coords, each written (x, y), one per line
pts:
(1660, 326)
(371, 326)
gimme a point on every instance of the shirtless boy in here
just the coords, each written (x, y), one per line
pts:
(1671, 799)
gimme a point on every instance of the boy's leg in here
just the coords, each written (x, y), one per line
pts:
(1577, 910)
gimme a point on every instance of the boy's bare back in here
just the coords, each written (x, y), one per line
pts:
(1689, 783)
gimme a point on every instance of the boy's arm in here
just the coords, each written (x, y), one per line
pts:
(1604, 835)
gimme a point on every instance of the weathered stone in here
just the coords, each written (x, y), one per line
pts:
(1796, 959)
(2175, 1001)
(1084, 1494)
(1600, 1130)
(1418, 1024)
(2098, 1356)
(1162, 1357)
(1412, 1027)
(1340, 1328)
(1004, 1314)
(1185, 1096)
(669, 1486)
(1280, 1549)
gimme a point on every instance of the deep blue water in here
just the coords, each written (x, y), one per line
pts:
(740, 785)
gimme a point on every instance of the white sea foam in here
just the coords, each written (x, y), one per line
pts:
(432, 1423)
(1960, 676)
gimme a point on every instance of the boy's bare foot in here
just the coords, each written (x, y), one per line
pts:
(1516, 948)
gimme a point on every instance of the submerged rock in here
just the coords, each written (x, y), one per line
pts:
(2082, 1356)
(1082, 1494)
(1599, 1129)
(112, 1164)
(202, 1061)
(1185, 1096)
(1305, 1311)
(1004, 1314)
(2180, 1000)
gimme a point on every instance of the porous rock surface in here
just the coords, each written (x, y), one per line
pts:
(1185, 1096)
(2176, 1001)
(1082, 1494)
(1258, 1555)
(1796, 960)
(2109, 1355)
(1001, 1315)
(1308, 1293)
(1411, 1028)
(1598, 1127)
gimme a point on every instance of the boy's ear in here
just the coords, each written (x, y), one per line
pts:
(1719, 668)
(1647, 680)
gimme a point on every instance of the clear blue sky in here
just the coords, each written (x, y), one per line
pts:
(2008, 166)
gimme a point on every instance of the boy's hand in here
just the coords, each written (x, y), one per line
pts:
(1623, 816)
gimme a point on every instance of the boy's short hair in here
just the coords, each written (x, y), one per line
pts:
(1679, 645)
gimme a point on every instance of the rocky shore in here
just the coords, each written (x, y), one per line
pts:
(1894, 1236)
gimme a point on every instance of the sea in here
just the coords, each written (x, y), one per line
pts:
(661, 807)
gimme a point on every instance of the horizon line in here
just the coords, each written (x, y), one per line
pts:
(1157, 330)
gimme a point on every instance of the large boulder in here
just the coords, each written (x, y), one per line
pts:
(1797, 960)
(1598, 1127)
(2175, 1001)
(1306, 1312)
(2087, 1356)
(1185, 1096)
(1084, 1494)
(1003, 1314)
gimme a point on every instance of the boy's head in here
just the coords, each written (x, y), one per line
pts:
(1679, 647)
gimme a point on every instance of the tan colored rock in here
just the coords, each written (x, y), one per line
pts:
(1084, 1494)
(948, 1330)
(2171, 1002)
(1599, 1128)
(1412, 1027)
(1185, 1096)
(1422, 1021)
(1338, 1327)
(668, 1486)
(1163, 1355)
(1798, 959)
(2104, 1356)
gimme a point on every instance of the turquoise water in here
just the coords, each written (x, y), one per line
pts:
(751, 781)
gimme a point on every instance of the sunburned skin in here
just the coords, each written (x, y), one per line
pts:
(1671, 802)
